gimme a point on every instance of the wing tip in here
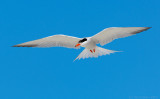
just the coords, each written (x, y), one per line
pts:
(21, 45)
(144, 29)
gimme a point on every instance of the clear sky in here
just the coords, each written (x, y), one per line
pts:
(50, 73)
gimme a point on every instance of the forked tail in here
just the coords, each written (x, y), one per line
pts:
(98, 52)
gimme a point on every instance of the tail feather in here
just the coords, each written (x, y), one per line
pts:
(98, 52)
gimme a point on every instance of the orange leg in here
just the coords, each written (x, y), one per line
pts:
(91, 51)
(94, 50)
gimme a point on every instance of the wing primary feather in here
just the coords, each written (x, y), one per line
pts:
(142, 30)
(20, 45)
(52, 41)
(110, 34)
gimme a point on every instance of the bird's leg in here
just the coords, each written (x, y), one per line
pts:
(91, 51)
(94, 50)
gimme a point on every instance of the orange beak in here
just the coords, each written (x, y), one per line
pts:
(77, 45)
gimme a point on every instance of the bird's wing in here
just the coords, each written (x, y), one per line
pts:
(52, 41)
(109, 34)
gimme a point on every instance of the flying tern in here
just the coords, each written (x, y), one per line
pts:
(90, 43)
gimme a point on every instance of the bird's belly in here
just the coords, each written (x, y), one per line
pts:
(89, 45)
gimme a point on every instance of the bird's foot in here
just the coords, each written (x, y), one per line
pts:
(91, 51)
(94, 50)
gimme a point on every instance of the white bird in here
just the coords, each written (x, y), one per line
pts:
(91, 49)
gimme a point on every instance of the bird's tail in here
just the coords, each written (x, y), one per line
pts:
(98, 52)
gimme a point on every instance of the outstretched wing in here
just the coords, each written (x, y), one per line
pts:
(52, 41)
(109, 34)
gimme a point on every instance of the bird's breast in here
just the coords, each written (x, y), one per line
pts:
(89, 44)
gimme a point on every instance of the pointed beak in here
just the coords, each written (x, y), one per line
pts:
(77, 45)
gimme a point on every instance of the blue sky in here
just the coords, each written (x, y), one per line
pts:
(50, 73)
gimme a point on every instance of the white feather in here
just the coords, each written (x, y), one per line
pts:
(98, 52)
(109, 34)
(52, 41)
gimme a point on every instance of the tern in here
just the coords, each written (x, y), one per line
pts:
(90, 43)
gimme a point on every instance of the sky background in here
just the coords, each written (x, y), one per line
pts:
(50, 73)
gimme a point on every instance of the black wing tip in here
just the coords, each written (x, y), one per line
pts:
(15, 46)
(148, 28)
(19, 45)
(145, 28)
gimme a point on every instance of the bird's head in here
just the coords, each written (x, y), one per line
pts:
(81, 41)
